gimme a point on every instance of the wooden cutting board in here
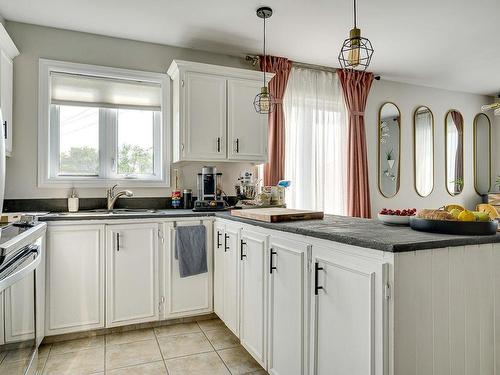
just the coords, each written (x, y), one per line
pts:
(274, 215)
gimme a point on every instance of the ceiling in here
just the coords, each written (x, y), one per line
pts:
(449, 44)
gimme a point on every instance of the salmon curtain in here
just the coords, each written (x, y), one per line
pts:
(274, 169)
(356, 87)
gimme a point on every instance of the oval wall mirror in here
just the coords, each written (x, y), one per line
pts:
(423, 150)
(482, 153)
(389, 143)
(454, 152)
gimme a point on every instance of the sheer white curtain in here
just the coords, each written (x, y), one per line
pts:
(424, 151)
(315, 141)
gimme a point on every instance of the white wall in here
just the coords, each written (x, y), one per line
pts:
(35, 42)
(408, 98)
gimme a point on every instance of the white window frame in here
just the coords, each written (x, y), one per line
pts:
(161, 135)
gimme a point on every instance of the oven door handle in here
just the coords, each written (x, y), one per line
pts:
(25, 270)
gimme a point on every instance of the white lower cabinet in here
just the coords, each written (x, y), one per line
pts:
(349, 313)
(2, 335)
(231, 278)
(75, 278)
(192, 295)
(219, 269)
(253, 304)
(288, 307)
(132, 292)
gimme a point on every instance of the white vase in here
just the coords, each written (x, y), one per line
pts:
(391, 163)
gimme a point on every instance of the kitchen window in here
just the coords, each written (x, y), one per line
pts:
(101, 125)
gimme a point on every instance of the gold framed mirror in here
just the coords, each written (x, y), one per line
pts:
(423, 151)
(389, 149)
(482, 153)
(454, 152)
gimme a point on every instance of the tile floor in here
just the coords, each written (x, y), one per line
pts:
(198, 348)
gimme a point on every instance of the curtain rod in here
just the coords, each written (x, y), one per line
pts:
(254, 60)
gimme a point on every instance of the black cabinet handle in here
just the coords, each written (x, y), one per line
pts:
(271, 267)
(226, 248)
(5, 129)
(317, 268)
(218, 144)
(241, 250)
(237, 145)
(218, 239)
(117, 241)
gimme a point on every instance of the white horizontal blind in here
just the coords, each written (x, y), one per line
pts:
(103, 92)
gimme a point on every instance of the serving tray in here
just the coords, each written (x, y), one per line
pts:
(463, 228)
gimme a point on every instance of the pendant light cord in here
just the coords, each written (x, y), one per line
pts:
(355, 14)
(264, 50)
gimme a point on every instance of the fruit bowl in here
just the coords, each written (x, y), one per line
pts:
(394, 219)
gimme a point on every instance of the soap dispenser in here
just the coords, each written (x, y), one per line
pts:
(73, 202)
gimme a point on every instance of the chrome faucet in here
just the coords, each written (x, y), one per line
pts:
(112, 196)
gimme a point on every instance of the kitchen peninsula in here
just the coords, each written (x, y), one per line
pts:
(303, 296)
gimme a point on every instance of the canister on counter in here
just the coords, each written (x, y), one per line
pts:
(187, 196)
(176, 199)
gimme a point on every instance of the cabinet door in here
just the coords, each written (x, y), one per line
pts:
(287, 325)
(348, 314)
(247, 129)
(189, 295)
(231, 280)
(219, 269)
(253, 251)
(2, 335)
(6, 85)
(204, 130)
(131, 274)
(75, 278)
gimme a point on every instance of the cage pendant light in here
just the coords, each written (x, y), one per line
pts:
(356, 52)
(264, 102)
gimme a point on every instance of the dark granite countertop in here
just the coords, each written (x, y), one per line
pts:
(368, 233)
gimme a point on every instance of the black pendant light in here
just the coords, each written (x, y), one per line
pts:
(356, 52)
(264, 102)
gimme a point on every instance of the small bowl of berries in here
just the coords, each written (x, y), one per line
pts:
(396, 217)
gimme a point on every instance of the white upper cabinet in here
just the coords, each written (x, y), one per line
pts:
(8, 51)
(203, 136)
(213, 114)
(246, 130)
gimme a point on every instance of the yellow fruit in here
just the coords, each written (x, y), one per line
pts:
(450, 207)
(467, 215)
(455, 213)
(481, 216)
(488, 209)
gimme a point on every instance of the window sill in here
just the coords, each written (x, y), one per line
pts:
(101, 183)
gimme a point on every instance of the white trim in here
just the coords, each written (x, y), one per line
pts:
(6, 43)
(45, 68)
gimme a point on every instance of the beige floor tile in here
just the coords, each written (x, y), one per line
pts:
(44, 350)
(198, 364)
(239, 361)
(177, 329)
(75, 345)
(130, 336)
(207, 325)
(183, 345)
(155, 368)
(132, 353)
(12, 368)
(222, 338)
(260, 372)
(2, 356)
(81, 362)
(17, 355)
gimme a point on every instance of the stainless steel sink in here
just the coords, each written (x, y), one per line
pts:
(104, 212)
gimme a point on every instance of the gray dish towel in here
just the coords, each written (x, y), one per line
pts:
(191, 249)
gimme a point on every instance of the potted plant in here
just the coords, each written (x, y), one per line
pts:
(390, 160)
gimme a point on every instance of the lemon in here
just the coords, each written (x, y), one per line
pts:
(455, 213)
(467, 215)
(451, 207)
